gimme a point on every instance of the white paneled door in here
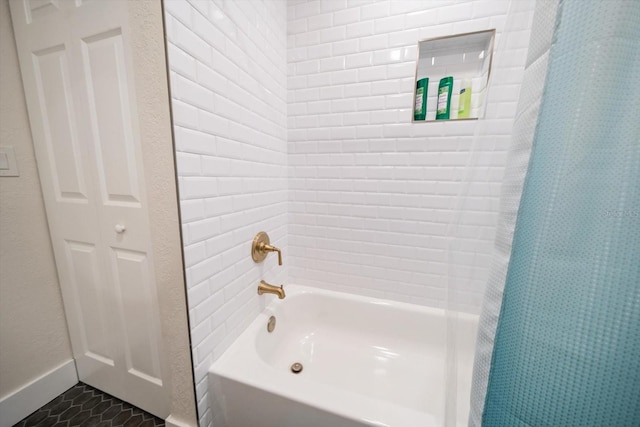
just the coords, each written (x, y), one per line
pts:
(77, 71)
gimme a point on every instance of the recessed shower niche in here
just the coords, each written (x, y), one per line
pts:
(452, 75)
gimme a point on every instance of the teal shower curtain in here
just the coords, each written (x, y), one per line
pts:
(566, 340)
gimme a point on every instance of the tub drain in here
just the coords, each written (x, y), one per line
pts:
(296, 368)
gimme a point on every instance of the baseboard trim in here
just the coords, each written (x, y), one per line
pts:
(22, 402)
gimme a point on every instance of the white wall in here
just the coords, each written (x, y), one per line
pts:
(33, 328)
(371, 194)
(147, 38)
(228, 87)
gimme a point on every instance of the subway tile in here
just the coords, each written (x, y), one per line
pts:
(333, 34)
(307, 38)
(346, 16)
(306, 9)
(343, 105)
(374, 43)
(374, 10)
(307, 67)
(204, 229)
(321, 79)
(193, 94)
(181, 62)
(357, 90)
(207, 31)
(200, 332)
(345, 47)
(388, 56)
(404, 38)
(384, 87)
(359, 118)
(320, 21)
(367, 132)
(297, 26)
(188, 164)
(188, 41)
(332, 64)
(191, 210)
(401, 70)
(319, 51)
(359, 60)
(389, 24)
(360, 29)
(407, 6)
(204, 350)
(459, 12)
(319, 107)
(205, 269)
(422, 18)
(374, 103)
(344, 77)
(333, 5)
(296, 82)
(210, 79)
(211, 123)
(372, 73)
(487, 8)
(179, 10)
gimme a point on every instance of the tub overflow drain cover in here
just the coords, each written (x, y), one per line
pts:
(271, 324)
(296, 368)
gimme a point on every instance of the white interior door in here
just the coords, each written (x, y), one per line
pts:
(77, 72)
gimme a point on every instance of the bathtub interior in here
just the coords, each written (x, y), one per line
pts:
(378, 353)
(371, 350)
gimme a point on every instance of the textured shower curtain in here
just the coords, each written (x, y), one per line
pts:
(559, 338)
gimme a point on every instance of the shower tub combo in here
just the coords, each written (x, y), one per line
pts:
(335, 359)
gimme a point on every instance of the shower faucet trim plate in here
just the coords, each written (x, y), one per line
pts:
(261, 247)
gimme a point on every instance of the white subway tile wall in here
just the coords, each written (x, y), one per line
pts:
(371, 195)
(295, 118)
(228, 71)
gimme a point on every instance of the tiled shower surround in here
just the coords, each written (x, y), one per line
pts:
(371, 195)
(228, 77)
(295, 118)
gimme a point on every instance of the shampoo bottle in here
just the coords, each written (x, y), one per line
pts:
(420, 109)
(464, 107)
(444, 98)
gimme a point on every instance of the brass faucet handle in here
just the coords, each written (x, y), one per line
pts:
(274, 249)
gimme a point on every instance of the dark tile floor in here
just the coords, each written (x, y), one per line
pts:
(85, 406)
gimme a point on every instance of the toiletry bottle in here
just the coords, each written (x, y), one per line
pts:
(464, 106)
(420, 109)
(444, 98)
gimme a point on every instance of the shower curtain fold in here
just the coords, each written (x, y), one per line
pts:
(558, 341)
(518, 17)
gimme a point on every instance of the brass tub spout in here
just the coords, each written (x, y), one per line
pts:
(265, 288)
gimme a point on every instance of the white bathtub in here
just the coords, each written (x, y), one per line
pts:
(367, 362)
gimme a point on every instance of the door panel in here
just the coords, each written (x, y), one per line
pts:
(77, 71)
(141, 344)
(108, 91)
(89, 288)
(59, 124)
(38, 8)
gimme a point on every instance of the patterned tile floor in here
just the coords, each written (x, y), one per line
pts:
(85, 406)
